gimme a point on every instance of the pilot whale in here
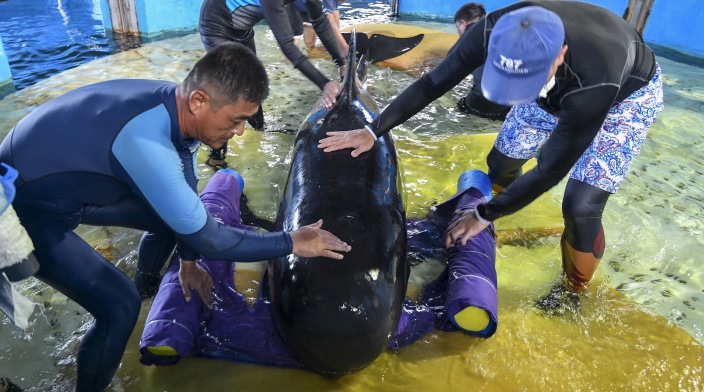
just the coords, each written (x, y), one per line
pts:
(339, 315)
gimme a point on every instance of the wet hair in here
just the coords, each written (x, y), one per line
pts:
(227, 73)
(470, 11)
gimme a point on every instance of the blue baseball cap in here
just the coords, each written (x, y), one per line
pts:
(523, 46)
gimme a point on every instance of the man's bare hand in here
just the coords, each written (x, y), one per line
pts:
(193, 276)
(312, 241)
(360, 140)
(464, 228)
(330, 94)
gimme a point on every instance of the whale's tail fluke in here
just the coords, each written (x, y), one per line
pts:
(379, 47)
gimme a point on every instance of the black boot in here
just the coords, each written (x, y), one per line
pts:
(257, 121)
(561, 300)
(250, 219)
(147, 283)
(216, 159)
(8, 386)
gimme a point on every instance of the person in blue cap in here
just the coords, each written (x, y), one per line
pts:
(234, 20)
(584, 88)
(122, 153)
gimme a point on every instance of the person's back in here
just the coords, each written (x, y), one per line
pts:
(475, 103)
(87, 159)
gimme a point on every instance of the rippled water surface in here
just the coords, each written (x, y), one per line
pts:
(640, 328)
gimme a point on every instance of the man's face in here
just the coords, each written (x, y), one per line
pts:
(215, 125)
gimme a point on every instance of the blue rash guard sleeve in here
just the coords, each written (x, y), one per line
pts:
(158, 173)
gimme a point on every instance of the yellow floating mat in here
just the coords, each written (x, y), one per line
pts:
(429, 52)
(433, 166)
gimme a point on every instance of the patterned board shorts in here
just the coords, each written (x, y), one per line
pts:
(605, 163)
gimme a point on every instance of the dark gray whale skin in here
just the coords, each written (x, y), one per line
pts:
(339, 315)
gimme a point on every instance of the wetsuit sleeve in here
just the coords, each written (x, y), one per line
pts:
(276, 17)
(144, 150)
(467, 55)
(579, 122)
(216, 241)
(324, 29)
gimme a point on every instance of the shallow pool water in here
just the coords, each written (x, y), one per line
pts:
(641, 324)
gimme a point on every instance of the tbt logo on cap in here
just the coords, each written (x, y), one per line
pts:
(511, 65)
(523, 46)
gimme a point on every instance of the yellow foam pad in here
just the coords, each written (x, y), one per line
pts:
(162, 350)
(472, 319)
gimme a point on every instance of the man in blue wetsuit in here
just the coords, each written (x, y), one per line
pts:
(122, 153)
(234, 20)
(584, 89)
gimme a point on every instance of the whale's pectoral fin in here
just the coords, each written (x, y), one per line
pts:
(381, 47)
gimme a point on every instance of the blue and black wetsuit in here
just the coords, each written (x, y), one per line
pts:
(112, 154)
(234, 20)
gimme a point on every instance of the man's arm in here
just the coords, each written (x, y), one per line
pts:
(276, 17)
(468, 55)
(326, 30)
(144, 150)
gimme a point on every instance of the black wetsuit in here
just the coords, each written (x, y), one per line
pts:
(234, 20)
(606, 62)
(222, 20)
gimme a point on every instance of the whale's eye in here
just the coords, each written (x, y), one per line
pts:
(350, 222)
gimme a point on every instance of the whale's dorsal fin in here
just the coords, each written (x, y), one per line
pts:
(349, 88)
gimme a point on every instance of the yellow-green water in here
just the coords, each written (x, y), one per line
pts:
(640, 328)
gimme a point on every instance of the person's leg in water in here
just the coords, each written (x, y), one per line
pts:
(73, 267)
(582, 245)
(582, 205)
(597, 174)
(503, 170)
(295, 18)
